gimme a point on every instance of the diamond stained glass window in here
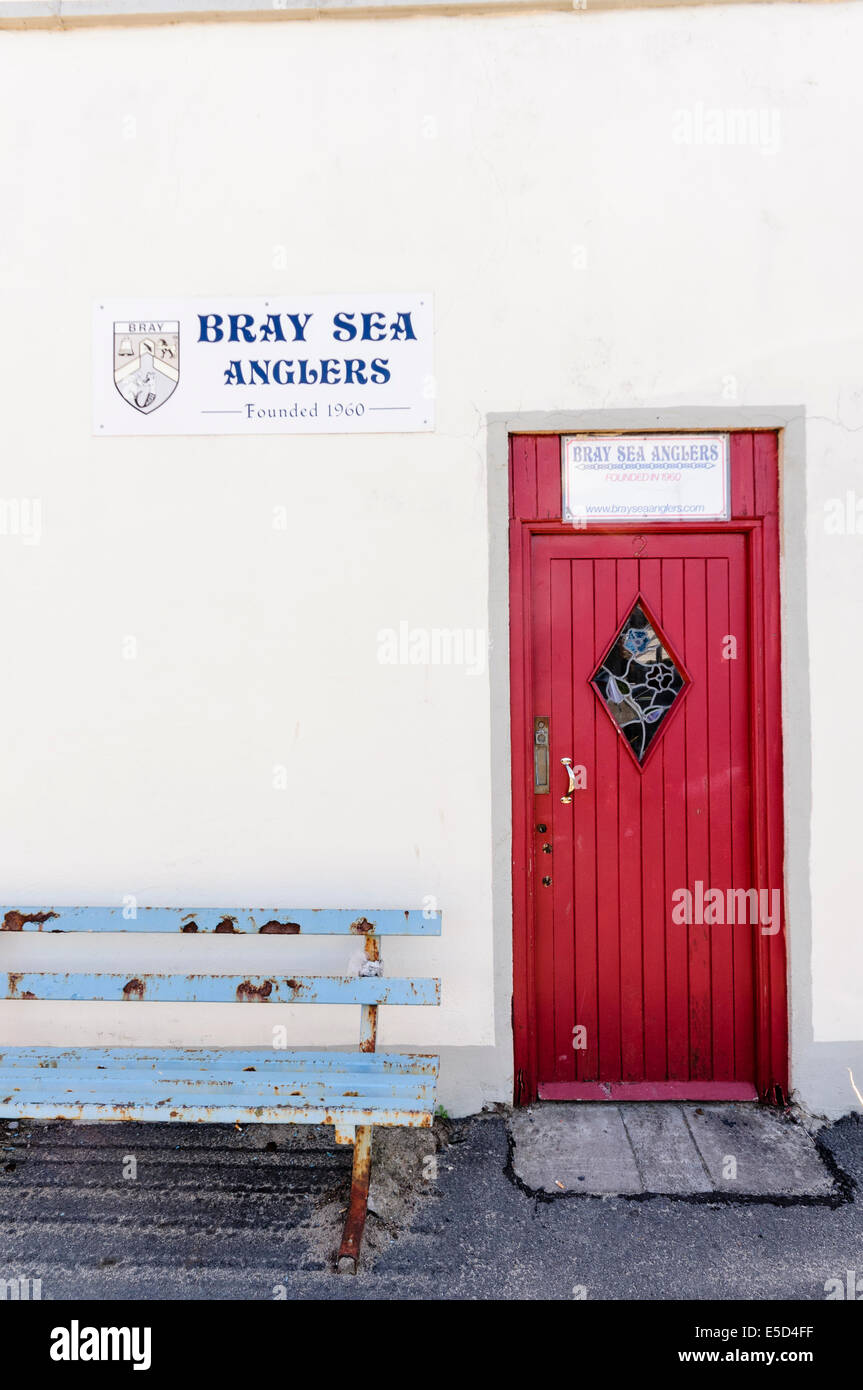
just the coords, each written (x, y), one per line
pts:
(639, 681)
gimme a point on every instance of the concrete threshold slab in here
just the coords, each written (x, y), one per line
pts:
(667, 1148)
(574, 1148)
(751, 1149)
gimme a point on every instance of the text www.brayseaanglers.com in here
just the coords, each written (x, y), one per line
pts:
(652, 509)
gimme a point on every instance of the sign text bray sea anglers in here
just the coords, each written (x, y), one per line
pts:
(286, 328)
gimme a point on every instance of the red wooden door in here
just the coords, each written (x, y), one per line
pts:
(658, 1001)
(653, 655)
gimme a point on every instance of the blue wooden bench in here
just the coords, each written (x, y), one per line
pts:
(351, 1090)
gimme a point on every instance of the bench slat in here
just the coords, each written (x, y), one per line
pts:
(182, 1060)
(273, 921)
(358, 1094)
(247, 1088)
(223, 1114)
(219, 989)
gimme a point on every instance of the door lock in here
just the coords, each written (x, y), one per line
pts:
(546, 882)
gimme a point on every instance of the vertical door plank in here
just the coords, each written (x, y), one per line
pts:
(674, 801)
(742, 476)
(548, 477)
(656, 906)
(765, 471)
(743, 941)
(523, 476)
(695, 712)
(719, 669)
(585, 713)
(629, 876)
(608, 754)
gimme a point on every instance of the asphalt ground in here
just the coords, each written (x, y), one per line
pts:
(217, 1214)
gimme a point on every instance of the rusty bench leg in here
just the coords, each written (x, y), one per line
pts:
(349, 1250)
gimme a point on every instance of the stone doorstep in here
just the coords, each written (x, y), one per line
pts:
(666, 1148)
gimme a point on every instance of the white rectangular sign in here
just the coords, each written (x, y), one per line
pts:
(645, 477)
(290, 364)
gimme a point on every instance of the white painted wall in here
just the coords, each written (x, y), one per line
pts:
(531, 172)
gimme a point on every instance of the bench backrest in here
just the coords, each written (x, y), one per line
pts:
(369, 988)
(263, 921)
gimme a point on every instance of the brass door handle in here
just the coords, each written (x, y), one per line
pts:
(567, 763)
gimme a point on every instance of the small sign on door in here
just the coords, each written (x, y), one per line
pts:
(645, 477)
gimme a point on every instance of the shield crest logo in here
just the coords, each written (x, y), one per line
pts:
(146, 362)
